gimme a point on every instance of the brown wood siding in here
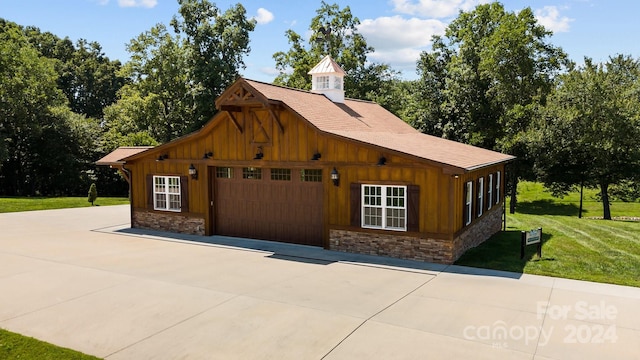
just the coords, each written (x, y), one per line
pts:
(458, 201)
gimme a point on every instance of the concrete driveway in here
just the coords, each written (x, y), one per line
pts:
(80, 278)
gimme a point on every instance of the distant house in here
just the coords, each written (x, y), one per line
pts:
(314, 168)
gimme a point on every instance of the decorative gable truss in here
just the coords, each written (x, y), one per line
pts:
(239, 102)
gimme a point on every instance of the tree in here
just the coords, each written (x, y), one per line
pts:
(589, 131)
(28, 97)
(334, 33)
(483, 79)
(93, 193)
(86, 76)
(175, 76)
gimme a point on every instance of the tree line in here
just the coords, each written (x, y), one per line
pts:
(493, 80)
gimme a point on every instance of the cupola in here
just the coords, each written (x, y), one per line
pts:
(328, 78)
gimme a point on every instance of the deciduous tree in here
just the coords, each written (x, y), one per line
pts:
(590, 128)
(483, 79)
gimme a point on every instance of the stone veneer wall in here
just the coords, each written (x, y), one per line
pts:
(168, 221)
(396, 245)
(478, 232)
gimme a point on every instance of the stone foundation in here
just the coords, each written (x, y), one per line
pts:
(397, 245)
(168, 221)
(478, 232)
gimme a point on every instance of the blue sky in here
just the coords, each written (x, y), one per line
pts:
(398, 29)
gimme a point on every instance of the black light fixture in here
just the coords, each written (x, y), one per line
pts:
(193, 172)
(335, 177)
(161, 157)
(259, 154)
(207, 155)
(382, 161)
(316, 156)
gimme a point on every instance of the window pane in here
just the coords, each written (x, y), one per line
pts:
(311, 175)
(174, 185)
(280, 174)
(161, 201)
(252, 173)
(396, 218)
(224, 172)
(373, 216)
(174, 202)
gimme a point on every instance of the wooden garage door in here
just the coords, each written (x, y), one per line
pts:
(271, 204)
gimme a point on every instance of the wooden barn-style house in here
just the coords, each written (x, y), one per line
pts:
(314, 168)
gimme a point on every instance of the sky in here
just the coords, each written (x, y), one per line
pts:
(399, 30)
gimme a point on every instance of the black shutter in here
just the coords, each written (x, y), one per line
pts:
(356, 205)
(184, 194)
(413, 206)
(150, 191)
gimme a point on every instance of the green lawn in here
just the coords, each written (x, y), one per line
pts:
(14, 204)
(15, 346)
(584, 249)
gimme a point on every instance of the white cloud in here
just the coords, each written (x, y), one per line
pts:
(264, 16)
(399, 41)
(102, 2)
(549, 17)
(434, 8)
(138, 3)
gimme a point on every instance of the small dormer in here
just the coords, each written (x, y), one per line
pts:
(328, 78)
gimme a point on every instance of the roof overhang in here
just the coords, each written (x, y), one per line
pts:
(117, 157)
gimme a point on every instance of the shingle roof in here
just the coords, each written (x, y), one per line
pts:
(370, 123)
(117, 156)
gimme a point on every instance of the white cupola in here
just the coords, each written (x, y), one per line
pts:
(328, 78)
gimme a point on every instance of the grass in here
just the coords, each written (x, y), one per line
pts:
(584, 249)
(15, 204)
(15, 346)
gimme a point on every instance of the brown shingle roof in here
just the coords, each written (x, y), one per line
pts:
(370, 123)
(117, 156)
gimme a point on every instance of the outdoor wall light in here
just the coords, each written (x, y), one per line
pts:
(259, 154)
(335, 177)
(162, 157)
(207, 155)
(316, 156)
(193, 172)
(382, 161)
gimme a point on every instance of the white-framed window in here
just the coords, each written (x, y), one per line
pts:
(337, 83)
(322, 82)
(468, 202)
(166, 193)
(498, 187)
(480, 196)
(490, 192)
(384, 207)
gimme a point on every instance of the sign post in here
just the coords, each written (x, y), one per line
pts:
(529, 238)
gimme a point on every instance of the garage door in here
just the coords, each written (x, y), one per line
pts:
(271, 204)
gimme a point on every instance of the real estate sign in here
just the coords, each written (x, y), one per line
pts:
(529, 238)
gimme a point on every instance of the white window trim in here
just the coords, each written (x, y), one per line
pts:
(480, 196)
(166, 194)
(384, 207)
(498, 187)
(469, 202)
(490, 192)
